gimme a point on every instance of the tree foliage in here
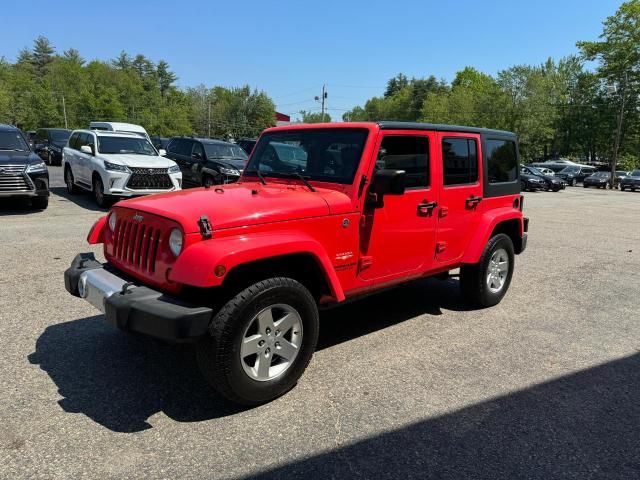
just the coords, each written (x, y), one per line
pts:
(128, 88)
(314, 117)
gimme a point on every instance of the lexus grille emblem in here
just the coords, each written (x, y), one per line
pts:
(137, 217)
(150, 171)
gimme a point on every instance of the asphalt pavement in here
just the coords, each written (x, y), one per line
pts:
(409, 383)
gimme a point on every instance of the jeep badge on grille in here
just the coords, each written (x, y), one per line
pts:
(137, 217)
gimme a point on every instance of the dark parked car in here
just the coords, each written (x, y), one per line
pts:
(206, 162)
(247, 144)
(631, 181)
(22, 173)
(598, 179)
(29, 134)
(49, 142)
(574, 174)
(160, 142)
(552, 183)
(531, 182)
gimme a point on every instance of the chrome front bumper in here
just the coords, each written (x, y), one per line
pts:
(96, 285)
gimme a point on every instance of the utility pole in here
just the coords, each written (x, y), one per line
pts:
(322, 99)
(64, 111)
(616, 145)
(209, 120)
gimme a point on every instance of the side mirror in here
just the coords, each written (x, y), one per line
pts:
(162, 152)
(196, 156)
(86, 149)
(388, 182)
(385, 182)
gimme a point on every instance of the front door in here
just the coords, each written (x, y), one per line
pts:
(460, 195)
(398, 238)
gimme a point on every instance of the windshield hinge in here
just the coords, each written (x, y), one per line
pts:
(205, 227)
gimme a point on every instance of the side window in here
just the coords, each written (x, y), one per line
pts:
(460, 161)
(502, 161)
(90, 139)
(408, 153)
(73, 141)
(198, 149)
(82, 140)
(182, 147)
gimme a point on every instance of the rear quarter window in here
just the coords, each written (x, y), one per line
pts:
(502, 160)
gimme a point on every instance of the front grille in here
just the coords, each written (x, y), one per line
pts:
(136, 244)
(149, 179)
(14, 179)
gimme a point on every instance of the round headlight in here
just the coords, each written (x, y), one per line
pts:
(112, 221)
(175, 241)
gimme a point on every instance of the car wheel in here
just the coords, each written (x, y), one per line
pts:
(585, 186)
(621, 188)
(40, 203)
(261, 341)
(101, 199)
(485, 283)
(574, 182)
(208, 181)
(49, 159)
(69, 181)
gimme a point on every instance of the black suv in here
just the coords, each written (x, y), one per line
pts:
(247, 144)
(574, 174)
(22, 172)
(49, 142)
(206, 162)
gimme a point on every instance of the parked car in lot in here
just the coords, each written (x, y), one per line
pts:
(574, 174)
(531, 183)
(598, 180)
(49, 142)
(116, 164)
(546, 171)
(120, 127)
(29, 134)
(206, 162)
(247, 144)
(22, 173)
(551, 182)
(241, 269)
(620, 174)
(631, 181)
(160, 142)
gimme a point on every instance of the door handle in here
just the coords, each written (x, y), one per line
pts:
(472, 201)
(425, 208)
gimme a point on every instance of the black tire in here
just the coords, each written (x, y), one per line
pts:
(102, 200)
(585, 186)
(219, 356)
(69, 180)
(49, 159)
(208, 181)
(473, 277)
(40, 203)
(574, 182)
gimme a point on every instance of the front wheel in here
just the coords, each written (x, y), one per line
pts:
(261, 341)
(101, 199)
(485, 283)
(69, 181)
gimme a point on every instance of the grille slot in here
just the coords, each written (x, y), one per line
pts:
(136, 244)
(149, 179)
(14, 179)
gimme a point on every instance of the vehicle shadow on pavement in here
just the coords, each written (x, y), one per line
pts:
(16, 206)
(120, 380)
(82, 199)
(584, 425)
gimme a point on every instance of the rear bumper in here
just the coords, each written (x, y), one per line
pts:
(132, 307)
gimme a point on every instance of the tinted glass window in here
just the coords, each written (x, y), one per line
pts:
(59, 135)
(125, 145)
(197, 149)
(180, 146)
(12, 140)
(82, 140)
(221, 150)
(410, 154)
(460, 161)
(502, 161)
(73, 141)
(328, 155)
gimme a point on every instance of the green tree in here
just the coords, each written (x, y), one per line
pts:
(43, 53)
(314, 117)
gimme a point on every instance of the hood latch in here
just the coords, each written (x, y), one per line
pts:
(205, 227)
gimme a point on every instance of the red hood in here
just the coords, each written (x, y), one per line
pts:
(241, 204)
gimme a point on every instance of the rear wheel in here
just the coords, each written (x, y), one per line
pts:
(261, 341)
(485, 283)
(69, 180)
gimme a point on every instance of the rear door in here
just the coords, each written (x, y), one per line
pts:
(179, 150)
(460, 193)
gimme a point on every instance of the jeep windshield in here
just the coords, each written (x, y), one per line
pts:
(326, 155)
(12, 140)
(125, 145)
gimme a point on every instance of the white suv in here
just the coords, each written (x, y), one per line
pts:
(117, 164)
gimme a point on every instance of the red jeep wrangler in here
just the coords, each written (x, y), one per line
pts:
(322, 213)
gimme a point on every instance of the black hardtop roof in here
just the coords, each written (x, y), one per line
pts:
(389, 125)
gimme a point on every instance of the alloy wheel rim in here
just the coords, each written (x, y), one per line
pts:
(271, 342)
(69, 180)
(98, 191)
(498, 270)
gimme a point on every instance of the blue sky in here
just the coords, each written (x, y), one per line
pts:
(290, 48)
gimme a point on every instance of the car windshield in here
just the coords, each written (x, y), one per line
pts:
(60, 135)
(621, 173)
(125, 145)
(570, 170)
(535, 171)
(601, 174)
(327, 155)
(635, 173)
(12, 140)
(220, 150)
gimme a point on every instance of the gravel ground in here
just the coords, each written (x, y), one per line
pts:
(405, 384)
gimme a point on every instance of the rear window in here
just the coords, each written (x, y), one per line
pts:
(502, 160)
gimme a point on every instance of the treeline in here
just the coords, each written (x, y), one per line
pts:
(558, 109)
(43, 86)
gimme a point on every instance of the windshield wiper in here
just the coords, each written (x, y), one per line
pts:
(260, 176)
(299, 176)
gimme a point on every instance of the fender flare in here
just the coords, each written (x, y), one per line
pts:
(487, 224)
(195, 265)
(96, 234)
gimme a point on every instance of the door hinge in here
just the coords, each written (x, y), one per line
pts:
(365, 262)
(441, 247)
